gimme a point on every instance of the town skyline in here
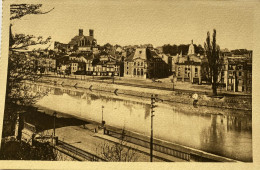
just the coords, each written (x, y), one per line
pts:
(135, 24)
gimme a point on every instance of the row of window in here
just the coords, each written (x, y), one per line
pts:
(188, 69)
(138, 72)
(102, 69)
(137, 63)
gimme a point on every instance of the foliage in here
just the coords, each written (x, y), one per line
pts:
(15, 150)
(18, 11)
(182, 48)
(22, 41)
(21, 68)
(214, 60)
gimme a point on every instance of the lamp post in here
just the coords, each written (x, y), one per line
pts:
(54, 125)
(173, 82)
(102, 122)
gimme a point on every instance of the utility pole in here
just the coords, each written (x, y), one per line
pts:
(152, 115)
(154, 99)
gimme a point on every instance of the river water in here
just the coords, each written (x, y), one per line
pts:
(228, 133)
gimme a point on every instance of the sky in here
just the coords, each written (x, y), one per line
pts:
(147, 21)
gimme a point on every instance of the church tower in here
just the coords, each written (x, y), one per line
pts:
(191, 49)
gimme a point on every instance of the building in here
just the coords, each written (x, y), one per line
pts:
(188, 67)
(135, 65)
(60, 47)
(82, 43)
(78, 67)
(63, 64)
(146, 63)
(108, 65)
(239, 74)
(46, 64)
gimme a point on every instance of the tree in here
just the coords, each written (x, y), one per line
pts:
(212, 51)
(20, 68)
(19, 96)
(118, 152)
(18, 11)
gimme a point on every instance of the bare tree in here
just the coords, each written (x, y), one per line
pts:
(214, 60)
(118, 152)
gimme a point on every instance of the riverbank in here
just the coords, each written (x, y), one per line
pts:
(177, 123)
(88, 136)
(239, 102)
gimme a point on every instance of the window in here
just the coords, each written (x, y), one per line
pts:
(134, 71)
(127, 72)
(134, 63)
(240, 73)
(138, 64)
(141, 63)
(196, 70)
(126, 63)
(142, 72)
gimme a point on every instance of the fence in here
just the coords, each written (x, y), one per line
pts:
(77, 153)
(145, 143)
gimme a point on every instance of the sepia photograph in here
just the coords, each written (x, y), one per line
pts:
(128, 81)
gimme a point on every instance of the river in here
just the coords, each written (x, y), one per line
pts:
(228, 133)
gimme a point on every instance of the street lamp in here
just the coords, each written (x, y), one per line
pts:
(173, 82)
(102, 122)
(54, 119)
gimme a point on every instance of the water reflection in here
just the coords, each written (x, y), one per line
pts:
(228, 133)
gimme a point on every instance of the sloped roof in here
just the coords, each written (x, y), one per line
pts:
(140, 53)
(192, 58)
(130, 57)
(77, 38)
(154, 54)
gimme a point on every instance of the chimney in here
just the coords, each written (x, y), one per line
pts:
(91, 33)
(80, 32)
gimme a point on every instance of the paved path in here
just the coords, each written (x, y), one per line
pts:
(86, 139)
(164, 84)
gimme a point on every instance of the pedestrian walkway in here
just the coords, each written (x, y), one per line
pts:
(139, 148)
(163, 84)
(86, 139)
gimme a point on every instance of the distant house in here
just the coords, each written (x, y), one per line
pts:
(60, 47)
(113, 68)
(108, 65)
(99, 69)
(46, 63)
(63, 64)
(145, 63)
(188, 67)
(78, 67)
(239, 74)
(135, 65)
(82, 43)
